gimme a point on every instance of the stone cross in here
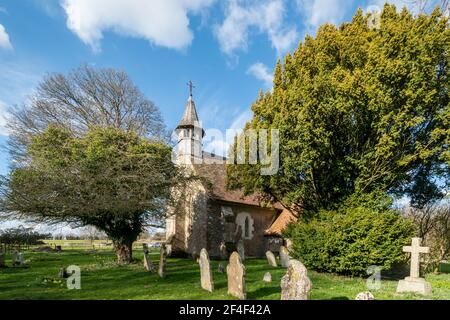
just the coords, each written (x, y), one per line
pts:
(162, 261)
(206, 279)
(415, 249)
(236, 277)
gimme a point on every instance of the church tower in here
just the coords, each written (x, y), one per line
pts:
(190, 134)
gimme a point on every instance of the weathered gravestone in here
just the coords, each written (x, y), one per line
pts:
(295, 285)
(162, 261)
(206, 279)
(221, 268)
(241, 249)
(148, 265)
(414, 283)
(17, 259)
(2, 259)
(267, 277)
(365, 296)
(284, 257)
(271, 260)
(236, 277)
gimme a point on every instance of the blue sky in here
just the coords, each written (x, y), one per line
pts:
(228, 48)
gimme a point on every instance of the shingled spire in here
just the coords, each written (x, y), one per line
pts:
(190, 117)
(190, 134)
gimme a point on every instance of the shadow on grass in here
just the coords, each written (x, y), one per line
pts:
(262, 292)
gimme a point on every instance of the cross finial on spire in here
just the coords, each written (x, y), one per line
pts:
(190, 85)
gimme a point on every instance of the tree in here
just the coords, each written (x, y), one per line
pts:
(422, 5)
(107, 178)
(85, 97)
(433, 224)
(360, 110)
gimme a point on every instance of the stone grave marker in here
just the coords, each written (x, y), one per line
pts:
(414, 283)
(267, 277)
(162, 261)
(295, 285)
(241, 249)
(271, 260)
(284, 257)
(236, 277)
(206, 279)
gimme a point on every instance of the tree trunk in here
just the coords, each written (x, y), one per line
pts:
(124, 251)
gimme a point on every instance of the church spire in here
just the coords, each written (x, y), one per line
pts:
(190, 116)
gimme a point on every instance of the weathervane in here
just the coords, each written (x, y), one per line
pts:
(190, 85)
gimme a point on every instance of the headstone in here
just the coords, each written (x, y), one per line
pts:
(221, 268)
(206, 279)
(267, 277)
(241, 249)
(284, 257)
(365, 296)
(58, 248)
(162, 261)
(236, 277)
(271, 260)
(223, 251)
(414, 283)
(295, 285)
(17, 259)
(148, 265)
(62, 273)
(2, 259)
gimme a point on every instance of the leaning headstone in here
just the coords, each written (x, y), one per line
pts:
(148, 265)
(267, 277)
(271, 260)
(221, 268)
(241, 249)
(365, 296)
(284, 257)
(414, 283)
(295, 285)
(236, 277)
(2, 259)
(162, 261)
(206, 279)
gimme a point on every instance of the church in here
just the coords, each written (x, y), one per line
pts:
(207, 215)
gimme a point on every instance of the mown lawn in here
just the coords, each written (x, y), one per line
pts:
(102, 278)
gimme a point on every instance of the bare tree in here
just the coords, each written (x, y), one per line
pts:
(424, 5)
(84, 98)
(433, 223)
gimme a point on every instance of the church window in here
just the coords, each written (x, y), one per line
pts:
(246, 228)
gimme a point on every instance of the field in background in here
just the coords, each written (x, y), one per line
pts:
(102, 278)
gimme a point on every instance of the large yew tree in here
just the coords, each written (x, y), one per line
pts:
(107, 178)
(87, 150)
(361, 108)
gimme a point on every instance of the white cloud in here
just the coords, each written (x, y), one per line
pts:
(261, 72)
(4, 39)
(265, 16)
(317, 12)
(161, 22)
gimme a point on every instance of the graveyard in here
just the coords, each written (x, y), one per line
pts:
(103, 278)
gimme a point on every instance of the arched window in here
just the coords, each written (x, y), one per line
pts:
(246, 228)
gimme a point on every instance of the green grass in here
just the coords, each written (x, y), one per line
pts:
(102, 278)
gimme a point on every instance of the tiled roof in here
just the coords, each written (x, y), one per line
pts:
(281, 222)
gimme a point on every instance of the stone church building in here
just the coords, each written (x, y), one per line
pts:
(207, 215)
